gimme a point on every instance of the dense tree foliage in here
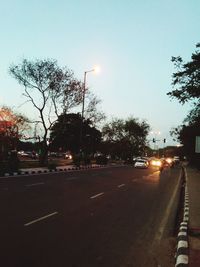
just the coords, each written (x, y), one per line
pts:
(13, 126)
(65, 134)
(125, 138)
(186, 135)
(186, 83)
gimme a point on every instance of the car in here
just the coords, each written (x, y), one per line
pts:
(169, 161)
(27, 154)
(156, 162)
(67, 156)
(176, 159)
(141, 163)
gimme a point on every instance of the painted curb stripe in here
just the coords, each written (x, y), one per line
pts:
(182, 259)
(182, 233)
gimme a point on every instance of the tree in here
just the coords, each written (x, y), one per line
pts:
(13, 125)
(193, 118)
(137, 133)
(186, 81)
(50, 89)
(186, 134)
(65, 134)
(92, 113)
(125, 138)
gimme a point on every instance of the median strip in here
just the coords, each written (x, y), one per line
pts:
(98, 195)
(41, 218)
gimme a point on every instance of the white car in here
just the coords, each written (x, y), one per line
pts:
(141, 163)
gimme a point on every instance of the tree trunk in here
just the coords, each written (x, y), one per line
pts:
(43, 156)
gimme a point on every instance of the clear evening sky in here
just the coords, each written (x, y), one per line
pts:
(132, 41)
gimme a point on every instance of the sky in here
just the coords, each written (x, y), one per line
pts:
(132, 42)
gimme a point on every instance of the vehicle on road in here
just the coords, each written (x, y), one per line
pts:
(67, 156)
(141, 163)
(27, 154)
(176, 160)
(156, 162)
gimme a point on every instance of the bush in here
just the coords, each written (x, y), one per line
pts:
(77, 160)
(52, 166)
(86, 160)
(13, 162)
(3, 167)
(101, 160)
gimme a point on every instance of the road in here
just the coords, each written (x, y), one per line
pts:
(113, 216)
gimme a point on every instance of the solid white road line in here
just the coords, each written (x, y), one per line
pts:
(163, 223)
(28, 185)
(121, 185)
(41, 218)
(98, 195)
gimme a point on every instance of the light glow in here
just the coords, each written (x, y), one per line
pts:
(97, 69)
(157, 163)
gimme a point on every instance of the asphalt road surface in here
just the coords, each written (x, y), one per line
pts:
(109, 217)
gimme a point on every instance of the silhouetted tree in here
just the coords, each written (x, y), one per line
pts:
(65, 134)
(186, 81)
(125, 138)
(186, 84)
(13, 126)
(51, 90)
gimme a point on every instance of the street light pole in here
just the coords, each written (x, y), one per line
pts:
(84, 89)
(83, 107)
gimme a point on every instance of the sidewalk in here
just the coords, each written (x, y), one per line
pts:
(193, 182)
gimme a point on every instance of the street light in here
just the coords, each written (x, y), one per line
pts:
(95, 69)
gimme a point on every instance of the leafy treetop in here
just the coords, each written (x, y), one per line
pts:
(186, 81)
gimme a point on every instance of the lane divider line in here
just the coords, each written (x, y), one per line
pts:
(98, 195)
(28, 185)
(41, 218)
(121, 185)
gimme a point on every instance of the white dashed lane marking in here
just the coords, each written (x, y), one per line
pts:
(29, 185)
(41, 218)
(121, 185)
(97, 195)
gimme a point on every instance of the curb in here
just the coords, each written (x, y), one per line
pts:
(182, 253)
(58, 169)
